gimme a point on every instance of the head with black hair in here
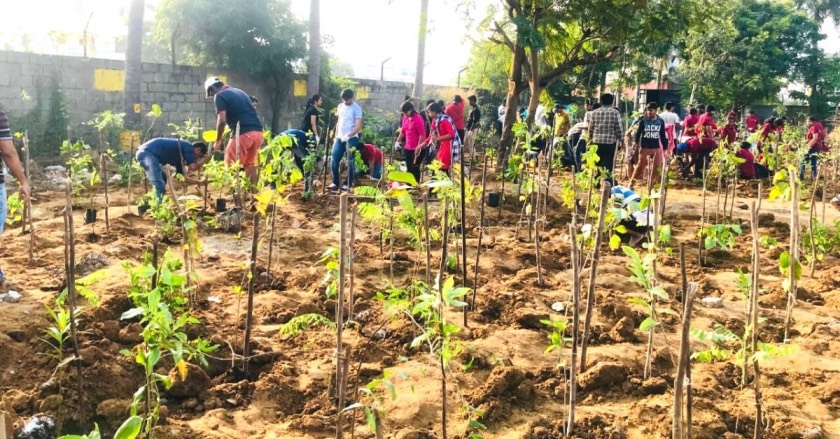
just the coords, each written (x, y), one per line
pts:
(746, 145)
(441, 104)
(607, 100)
(347, 95)
(670, 106)
(701, 108)
(596, 105)
(314, 101)
(434, 109)
(407, 108)
(780, 122)
(710, 109)
(199, 149)
(693, 111)
(458, 99)
(473, 100)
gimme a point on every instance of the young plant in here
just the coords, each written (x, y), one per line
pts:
(720, 235)
(305, 322)
(15, 209)
(130, 429)
(371, 401)
(330, 261)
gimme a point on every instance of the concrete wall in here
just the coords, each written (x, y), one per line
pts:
(94, 85)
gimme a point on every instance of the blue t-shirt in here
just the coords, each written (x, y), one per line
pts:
(347, 116)
(238, 107)
(166, 151)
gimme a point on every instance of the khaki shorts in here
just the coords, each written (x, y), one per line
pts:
(249, 146)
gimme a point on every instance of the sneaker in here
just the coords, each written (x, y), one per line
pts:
(332, 187)
(344, 188)
(835, 202)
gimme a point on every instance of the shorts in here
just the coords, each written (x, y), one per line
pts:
(249, 146)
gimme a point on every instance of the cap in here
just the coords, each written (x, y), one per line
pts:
(210, 83)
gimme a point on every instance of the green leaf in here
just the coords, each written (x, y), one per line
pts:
(403, 177)
(129, 429)
(647, 324)
(615, 242)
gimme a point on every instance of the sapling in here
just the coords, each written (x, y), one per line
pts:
(70, 276)
(27, 207)
(593, 274)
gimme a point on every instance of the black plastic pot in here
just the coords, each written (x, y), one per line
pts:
(221, 205)
(142, 209)
(493, 199)
(90, 216)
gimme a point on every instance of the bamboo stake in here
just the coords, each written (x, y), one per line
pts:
(351, 252)
(428, 239)
(464, 234)
(70, 267)
(754, 315)
(271, 239)
(326, 151)
(342, 393)
(130, 158)
(700, 257)
(480, 228)
(593, 272)
(794, 251)
(537, 220)
(339, 306)
(812, 217)
(27, 215)
(570, 423)
(689, 292)
(104, 171)
(440, 281)
(246, 351)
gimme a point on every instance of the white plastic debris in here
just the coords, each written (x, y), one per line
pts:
(558, 306)
(214, 299)
(12, 297)
(712, 302)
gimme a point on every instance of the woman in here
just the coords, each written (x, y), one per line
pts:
(310, 117)
(443, 135)
(769, 125)
(413, 128)
(455, 110)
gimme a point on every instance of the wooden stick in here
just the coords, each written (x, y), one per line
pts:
(271, 239)
(130, 158)
(702, 222)
(480, 228)
(689, 292)
(428, 239)
(464, 235)
(794, 251)
(246, 351)
(440, 281)
(812, 217)
(754, 291)
(593, 272)
(351, 252)
(102, 164)
(570, 422)
(70, 267)
(339, 305)
(537, 220)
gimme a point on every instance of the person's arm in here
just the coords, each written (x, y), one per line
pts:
(448, 133)
(638, 136)
(10, 156)
(663, 137)
(314, 121)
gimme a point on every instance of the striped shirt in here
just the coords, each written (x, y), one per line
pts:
(605, 126)
(5, 129)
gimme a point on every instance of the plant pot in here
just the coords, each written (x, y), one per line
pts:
(493, 199)
(90, 216)
(142, 209)
(221, 205)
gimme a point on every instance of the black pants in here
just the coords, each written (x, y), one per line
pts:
(461, 134)
(606, 159)
(413, 168)
(700, 164)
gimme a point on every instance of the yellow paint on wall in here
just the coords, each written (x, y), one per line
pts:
(300, 88)
(363, 93)
(129, 140)
(108, 79)
(137, 108)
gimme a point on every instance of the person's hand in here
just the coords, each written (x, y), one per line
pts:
(317, 140)
(24, 191)
(218, 145)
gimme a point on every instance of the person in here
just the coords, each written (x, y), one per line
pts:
(373, 158)
(706, 125)
(500, 121)
(311, 115)
(733, 113)
(455, 111)
(729, 133)
(300, 148)
(539, 115)
(411, 132)
(816, 145)
(587, 109)
(12, 161)
(234, 109)
(766, 130)
(752, 121)
(779, 127)
(443, 136)
(425, 117)
(156, 153)
(254, 101)
(700, 150)
(473, 121)
(349, 124)
(749, 169)
(672, 123)
(652, 140)
(605, 131)
(690, 122)
(576, 145)
(631, 148)
(562, 123)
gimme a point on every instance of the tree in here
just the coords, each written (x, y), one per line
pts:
(488, 67)
(421, 48)
(551, 40)
(133, 65)
(745, 53)
(259, 37)
(314, 67)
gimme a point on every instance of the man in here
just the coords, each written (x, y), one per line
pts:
(706, 124)
(473, 120)
(672, 123)
(373, 158)
(605, 131)
(729, 132)
(539, 116)
(652, 140)
(690, 123)
(816, 145)
(156, 153)
(700, 150)
(346, 139)
(562, 123)
(587, 108)
(234, 108)
(10, 157)
(752, 121)
(500, 120)
(455, 111)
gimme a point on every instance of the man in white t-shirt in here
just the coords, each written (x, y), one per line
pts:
(346, 139)
(539, 115)
(672, 124)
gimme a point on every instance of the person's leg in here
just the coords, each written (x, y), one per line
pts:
(641, 166)
(352, 146)
(377, 171)
(815, 159)
(606, 159)
(249, 144)
(154, 172)
(337, 156)
(658, 163)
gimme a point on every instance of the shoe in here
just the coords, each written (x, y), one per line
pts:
(344, 188)
(332, 187)
(835, 202)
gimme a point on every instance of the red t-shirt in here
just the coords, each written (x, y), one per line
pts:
(689, 123)
(752, 123)
(370, 152)
(456, 112)
(706, 120)
(444, 154)
(816, 131)
(729, 133)
(748, 167)
(766, 130)
(696, 146)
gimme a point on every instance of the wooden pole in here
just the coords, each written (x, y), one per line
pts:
(464, 234)
(246, 351)
(702, 222)
(480, 228)
(593, 272)
(339, 306)
(440, 281)
(794, 251)
(70, 267)
(754, 291)
(689, 292)
(428, 239)
(570, 422)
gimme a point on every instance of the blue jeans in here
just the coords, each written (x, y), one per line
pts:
(2, 216)
(376, 172)
(814, 159)
(339, 148)
(154, 171)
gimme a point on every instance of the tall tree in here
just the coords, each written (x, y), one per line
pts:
(261, 37)
(421, 48)
(133, 65)
(314, 66)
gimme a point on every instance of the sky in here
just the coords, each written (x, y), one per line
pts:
(363, 33)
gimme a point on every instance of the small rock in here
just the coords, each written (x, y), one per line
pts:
(50, 403)
(765, 219)
(131, 334)
(558, 306)
(362, 316)
(190, 404)
(813, 433)
(624, 330)
(48, 387)
(3, 296)
(111, 330)
(603, 375)
(380, 334)
(370, 370)
(712, 302)
(38, 427)
(12, 297)
(196, 382)
(17, 335)
(213, 257)
(654, 386)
